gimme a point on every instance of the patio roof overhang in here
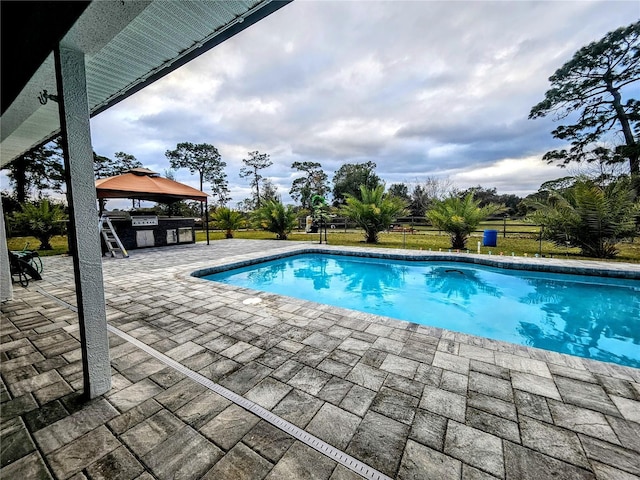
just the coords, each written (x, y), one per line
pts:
(127, 46)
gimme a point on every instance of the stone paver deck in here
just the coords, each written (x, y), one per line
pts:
(411, 401)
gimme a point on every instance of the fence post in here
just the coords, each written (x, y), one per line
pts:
(504, 229)
(540, 244)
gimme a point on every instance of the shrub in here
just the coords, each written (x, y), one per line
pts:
(591, 217)
(274, 217)
(228, 220)
(42, 219)
(459, 217)
(375, 212)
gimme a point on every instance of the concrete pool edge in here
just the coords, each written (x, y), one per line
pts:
(548, 265)
(628, 271)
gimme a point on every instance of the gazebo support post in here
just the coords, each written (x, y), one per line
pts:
(206, 218)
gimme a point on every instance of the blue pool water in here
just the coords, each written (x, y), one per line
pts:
(590, 317)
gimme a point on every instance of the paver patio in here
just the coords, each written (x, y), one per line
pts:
(411, 401)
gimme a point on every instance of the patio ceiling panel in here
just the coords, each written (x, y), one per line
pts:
(128, 45)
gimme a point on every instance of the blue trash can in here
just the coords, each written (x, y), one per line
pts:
(490, 238)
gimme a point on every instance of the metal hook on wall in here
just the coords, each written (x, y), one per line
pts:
(45, 96)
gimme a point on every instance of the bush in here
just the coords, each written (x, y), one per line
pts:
(375, 212)
(459, 217)
(274, 217)
(228, 220)
(591, 217)
(41, 219)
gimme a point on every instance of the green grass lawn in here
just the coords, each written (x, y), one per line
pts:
(58, 242)
(519, 244)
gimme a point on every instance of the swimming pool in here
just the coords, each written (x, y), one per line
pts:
(591, 317)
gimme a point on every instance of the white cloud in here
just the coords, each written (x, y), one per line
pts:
(519, 176)
(360, 76)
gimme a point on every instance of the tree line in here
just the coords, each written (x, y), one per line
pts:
(42, 170)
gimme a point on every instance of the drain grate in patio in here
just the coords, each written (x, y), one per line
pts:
(338, 456)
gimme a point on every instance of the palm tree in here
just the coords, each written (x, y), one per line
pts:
(228, 220)
(592, 217)
(459, 217)
(375, 212)
(42, 220)
(274, 217)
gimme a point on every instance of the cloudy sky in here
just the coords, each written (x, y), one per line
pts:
(421, 88)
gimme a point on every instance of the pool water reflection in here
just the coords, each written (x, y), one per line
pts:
(590, 317)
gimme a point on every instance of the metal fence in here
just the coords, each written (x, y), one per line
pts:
(416, 225)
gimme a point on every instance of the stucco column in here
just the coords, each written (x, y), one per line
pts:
(6, 289)
(84, 240)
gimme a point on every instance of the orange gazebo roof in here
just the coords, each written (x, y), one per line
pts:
(143, 184)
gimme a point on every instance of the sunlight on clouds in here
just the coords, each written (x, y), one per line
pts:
(505, 53)
(198, 84)
(510, 175)
(226, 60)
(236, 107)
(350, 139)
(504, 71)
(359, 128)
(445, 151)
(235, 151)
(184, 83)
(365, 73)
(507, 167)
(144, 103)
(259, 105)
(431, 94)
(152, 146)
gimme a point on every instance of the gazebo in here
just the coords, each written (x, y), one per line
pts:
(144, 184)
(137, 230)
